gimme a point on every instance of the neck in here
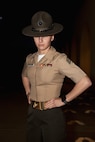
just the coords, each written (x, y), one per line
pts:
(43, 51)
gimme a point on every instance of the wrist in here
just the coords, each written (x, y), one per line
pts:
(27, 94)
(65, 102)
(63, 98)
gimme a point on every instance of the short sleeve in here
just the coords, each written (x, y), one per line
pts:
(70, 69)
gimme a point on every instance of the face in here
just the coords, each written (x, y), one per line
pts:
(43, 43)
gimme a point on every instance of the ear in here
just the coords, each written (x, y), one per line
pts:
(52, 38)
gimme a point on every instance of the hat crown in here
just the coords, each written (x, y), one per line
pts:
(42, 25)
(41, 21)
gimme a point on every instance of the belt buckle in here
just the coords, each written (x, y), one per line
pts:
(35, 104)
(38, 105)
(41, 105)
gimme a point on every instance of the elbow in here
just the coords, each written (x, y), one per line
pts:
(88, 82)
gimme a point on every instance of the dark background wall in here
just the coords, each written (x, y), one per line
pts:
(14, 46)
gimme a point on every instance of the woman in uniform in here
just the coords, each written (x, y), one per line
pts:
(43, 76)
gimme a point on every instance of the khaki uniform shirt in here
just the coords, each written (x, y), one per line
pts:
(47, 76)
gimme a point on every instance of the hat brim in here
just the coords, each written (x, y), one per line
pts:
(56, 29)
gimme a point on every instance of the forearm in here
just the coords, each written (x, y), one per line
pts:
(26, 84)
(79, 88)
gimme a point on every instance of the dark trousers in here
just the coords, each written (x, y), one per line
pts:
(46, 125)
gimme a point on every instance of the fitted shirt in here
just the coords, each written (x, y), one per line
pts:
(46, 77)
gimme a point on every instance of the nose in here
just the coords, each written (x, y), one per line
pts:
(40, 39)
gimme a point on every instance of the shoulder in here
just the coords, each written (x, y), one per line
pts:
(62, 56)
(30, 56)
(64, 59)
